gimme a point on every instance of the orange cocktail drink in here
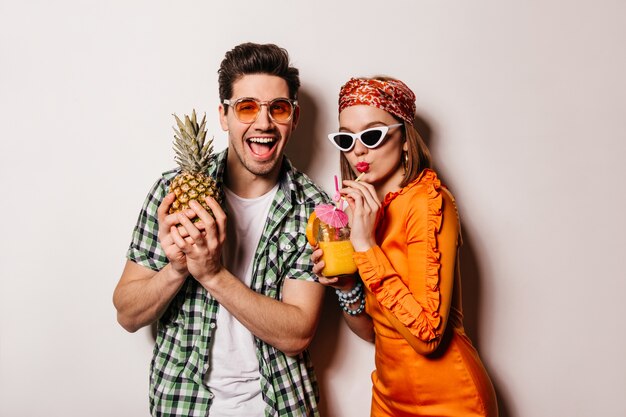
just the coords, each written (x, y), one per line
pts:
(328, 228)
(337, 258)
(338, 250)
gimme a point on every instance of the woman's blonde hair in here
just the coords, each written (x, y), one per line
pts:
(417, 154)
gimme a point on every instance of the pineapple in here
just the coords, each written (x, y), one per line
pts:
(192, 156)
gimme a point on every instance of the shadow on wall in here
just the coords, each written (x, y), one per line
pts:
(470, 271)
(301, 149)
(324, 347)
(471, 294)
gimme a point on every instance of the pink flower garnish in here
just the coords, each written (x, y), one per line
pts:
(362, 166)
(331, 215)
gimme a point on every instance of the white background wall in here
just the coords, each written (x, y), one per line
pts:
(522, 103)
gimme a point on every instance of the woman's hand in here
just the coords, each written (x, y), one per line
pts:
(364, 207)
(341, 282)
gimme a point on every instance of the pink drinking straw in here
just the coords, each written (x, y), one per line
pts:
(337, 196)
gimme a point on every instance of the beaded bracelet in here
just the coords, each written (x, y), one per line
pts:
(351, 297)
(345, 307)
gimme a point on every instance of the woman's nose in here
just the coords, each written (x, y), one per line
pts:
(359, 148)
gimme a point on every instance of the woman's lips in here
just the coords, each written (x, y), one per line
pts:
(362, 166)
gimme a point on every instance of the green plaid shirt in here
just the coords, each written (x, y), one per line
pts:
(184, 332)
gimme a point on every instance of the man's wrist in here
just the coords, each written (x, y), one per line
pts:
(176, 274)
(212, 279)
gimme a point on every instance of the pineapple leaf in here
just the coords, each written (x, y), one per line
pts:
(191, 147)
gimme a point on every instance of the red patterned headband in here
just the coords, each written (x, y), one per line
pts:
(392, 96)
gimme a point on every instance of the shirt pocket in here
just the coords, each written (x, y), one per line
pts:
(283, 253)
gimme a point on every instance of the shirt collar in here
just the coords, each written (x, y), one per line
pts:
(286, 176)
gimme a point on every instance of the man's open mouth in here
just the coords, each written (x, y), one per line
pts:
(262, 146)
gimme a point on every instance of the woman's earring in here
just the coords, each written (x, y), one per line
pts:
(405, 160)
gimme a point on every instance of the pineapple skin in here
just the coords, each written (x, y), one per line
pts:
(188, 186)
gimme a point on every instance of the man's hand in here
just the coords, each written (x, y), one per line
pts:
(202, 249)
(167, 224)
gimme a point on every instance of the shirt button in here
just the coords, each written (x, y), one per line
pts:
(287, 246)
(212, 325)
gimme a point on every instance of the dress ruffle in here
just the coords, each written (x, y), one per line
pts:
(435, 201)
(423, 321)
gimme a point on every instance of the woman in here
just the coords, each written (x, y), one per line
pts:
(406, 234)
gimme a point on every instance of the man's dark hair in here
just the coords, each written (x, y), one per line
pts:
(252, 58)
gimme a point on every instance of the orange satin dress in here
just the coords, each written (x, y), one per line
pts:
(425, 363)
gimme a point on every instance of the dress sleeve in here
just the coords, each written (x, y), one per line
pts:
(419, 300)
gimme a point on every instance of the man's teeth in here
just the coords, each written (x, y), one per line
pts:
(262, 140)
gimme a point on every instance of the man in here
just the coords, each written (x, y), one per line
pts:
(235, 298)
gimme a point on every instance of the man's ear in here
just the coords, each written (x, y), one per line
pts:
(223, 118)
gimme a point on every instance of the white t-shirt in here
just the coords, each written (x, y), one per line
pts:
(234, 376)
